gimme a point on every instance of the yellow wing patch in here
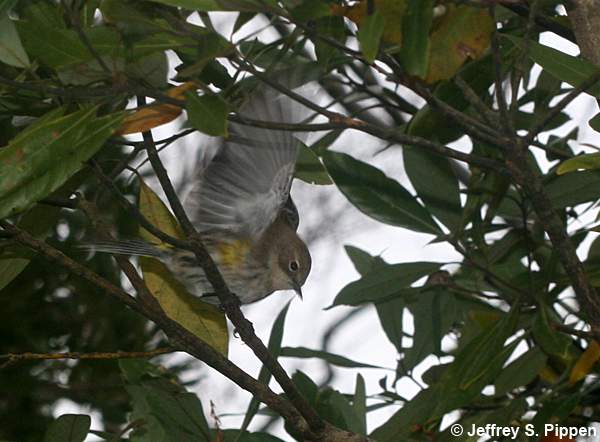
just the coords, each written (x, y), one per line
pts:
(233, 253)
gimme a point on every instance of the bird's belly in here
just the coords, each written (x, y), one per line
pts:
(247, 282)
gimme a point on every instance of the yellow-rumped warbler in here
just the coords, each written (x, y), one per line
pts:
(240, 204)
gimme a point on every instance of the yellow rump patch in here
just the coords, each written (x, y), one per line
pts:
(233, 253)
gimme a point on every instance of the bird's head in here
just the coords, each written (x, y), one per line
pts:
(292, 265)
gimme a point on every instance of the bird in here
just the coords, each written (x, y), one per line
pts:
(239, 202)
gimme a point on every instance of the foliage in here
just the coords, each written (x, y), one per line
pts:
(509, 324)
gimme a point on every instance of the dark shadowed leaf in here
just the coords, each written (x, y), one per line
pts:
(265, 375)
(69, 428)
(434, 312)
(416, 23)
(474, 366)
(359, 403)
(391, 314)
(521, 371)
(245, 436)
(572, 70)
(376, 195)
(435, 183)
(310, 169)
(384, 282)
(340, 361)
(369, 35)
(574, 188)
(550, 340)
(219, 5)
(408, 419)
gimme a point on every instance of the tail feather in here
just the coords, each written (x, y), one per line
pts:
(124, 247)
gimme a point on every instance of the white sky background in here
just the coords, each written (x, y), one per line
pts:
(361, 339)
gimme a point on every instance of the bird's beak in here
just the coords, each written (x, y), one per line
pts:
(297, 289)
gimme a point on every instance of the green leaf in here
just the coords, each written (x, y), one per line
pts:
(265, 375)
(416, 23)
(551, 341)
(369, 35)
(46, 154)
(310, 169)
(376, 195)
(572, 70)
(340, 361)
(521, 371)
(588, 161)
(69, 428)
(359, 404)
(385, 281)
(208, 113)
(435, 183)
(11, 48)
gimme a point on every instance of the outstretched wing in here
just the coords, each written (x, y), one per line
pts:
(248, 181)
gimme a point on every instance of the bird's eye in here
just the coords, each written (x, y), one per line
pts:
(293, 266)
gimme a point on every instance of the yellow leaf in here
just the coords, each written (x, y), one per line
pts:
(157, 213)
(462, 32)
(201, 319)
(155, 115)
(585, 363)
(392, 12)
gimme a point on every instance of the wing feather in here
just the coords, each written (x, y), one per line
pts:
(248, 181)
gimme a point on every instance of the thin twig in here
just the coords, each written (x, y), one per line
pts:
(16, 357)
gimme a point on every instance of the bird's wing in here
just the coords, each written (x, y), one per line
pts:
(248, 181)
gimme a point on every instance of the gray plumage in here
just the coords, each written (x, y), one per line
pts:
(248, 181)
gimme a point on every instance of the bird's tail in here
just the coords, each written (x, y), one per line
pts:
(124, 247)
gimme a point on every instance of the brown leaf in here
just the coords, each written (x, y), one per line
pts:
(149, 117)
